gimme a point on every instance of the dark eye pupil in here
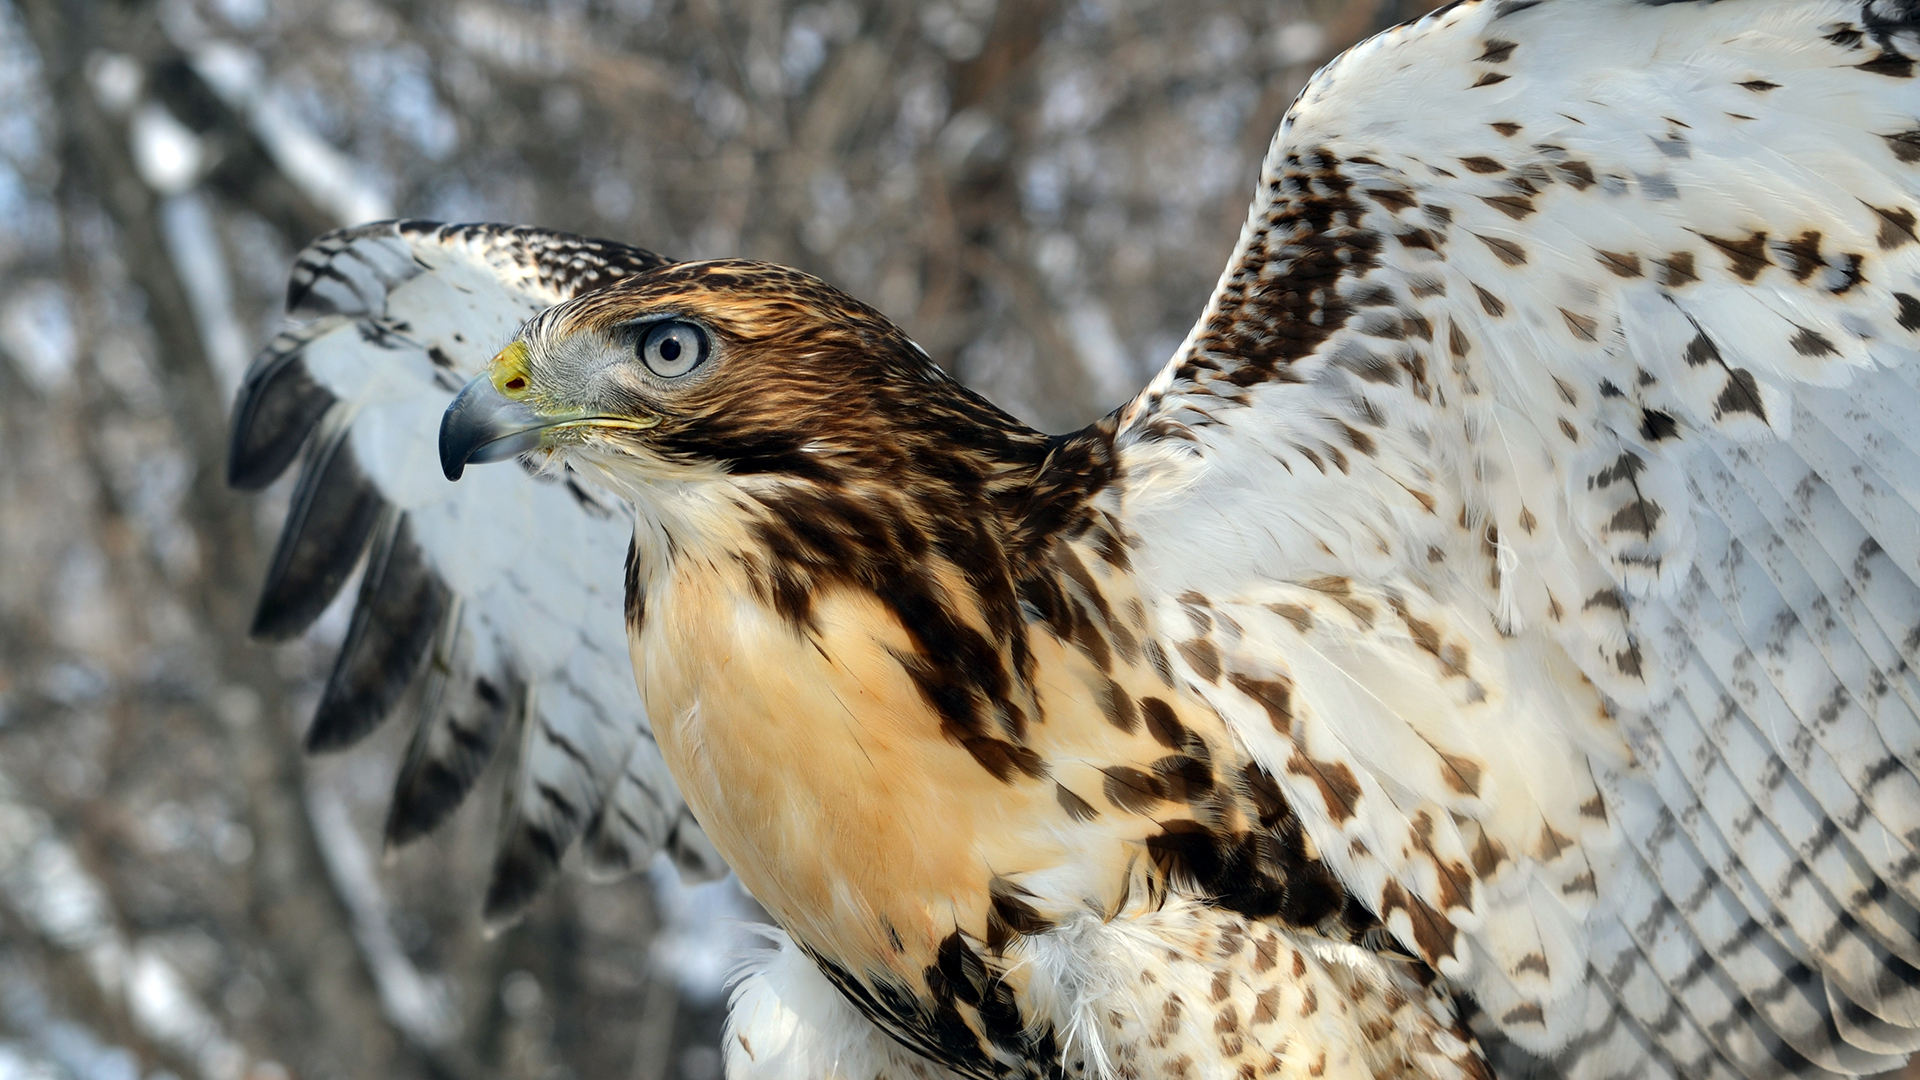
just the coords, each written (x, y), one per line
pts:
(669, 350)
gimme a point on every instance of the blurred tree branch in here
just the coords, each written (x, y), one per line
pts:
(292, 895)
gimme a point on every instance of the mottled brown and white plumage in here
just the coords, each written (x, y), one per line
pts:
(1485, 648)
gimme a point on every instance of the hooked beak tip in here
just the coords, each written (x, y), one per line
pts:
(483, 425)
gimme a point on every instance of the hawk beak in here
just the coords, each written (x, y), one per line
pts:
(483, 424)
(491, 421)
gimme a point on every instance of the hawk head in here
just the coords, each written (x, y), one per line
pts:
(732, 368)
(758, 408)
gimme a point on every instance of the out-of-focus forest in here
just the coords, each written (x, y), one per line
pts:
(1041, 192)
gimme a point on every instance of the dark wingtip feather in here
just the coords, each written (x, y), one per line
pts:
(401, 605)
(334, 511)
(522, 867)
(622, 837)
(276, 410)
(465, 717)
(695, 856)
(607, 856)
(423, 800)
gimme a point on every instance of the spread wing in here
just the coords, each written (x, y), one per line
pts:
(505, 590)
(1541, 490)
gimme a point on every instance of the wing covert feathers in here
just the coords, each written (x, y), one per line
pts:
(510, 620)
(1562, 392)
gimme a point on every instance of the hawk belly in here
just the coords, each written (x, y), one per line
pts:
(825, 776)
(1031, 921)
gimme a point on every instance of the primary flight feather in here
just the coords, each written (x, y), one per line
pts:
(1485, 648)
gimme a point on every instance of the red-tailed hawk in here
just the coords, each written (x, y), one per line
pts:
(1485, 648)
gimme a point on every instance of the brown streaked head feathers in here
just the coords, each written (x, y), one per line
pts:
(805, 383)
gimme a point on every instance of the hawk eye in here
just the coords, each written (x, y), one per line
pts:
(673, 348)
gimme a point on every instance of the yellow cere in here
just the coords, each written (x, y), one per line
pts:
(509, 369)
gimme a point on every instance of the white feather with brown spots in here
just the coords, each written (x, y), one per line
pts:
(1176, 989)
(1552, 437)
